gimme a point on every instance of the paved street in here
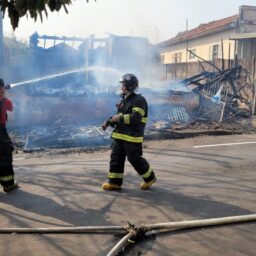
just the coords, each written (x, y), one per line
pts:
(198, 178)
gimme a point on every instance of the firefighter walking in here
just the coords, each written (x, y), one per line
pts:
(6, 147)
(129, 124)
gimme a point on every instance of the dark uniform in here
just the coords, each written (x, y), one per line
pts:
(6, 147)
(128, 135)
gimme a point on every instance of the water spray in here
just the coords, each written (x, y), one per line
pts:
(61, 74)
(46, 77)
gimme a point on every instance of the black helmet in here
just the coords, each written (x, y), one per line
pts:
(130, 81)
(1, 82)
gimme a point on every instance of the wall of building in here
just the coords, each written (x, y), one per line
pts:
(203, 48)
(246, 48)
(247, 19)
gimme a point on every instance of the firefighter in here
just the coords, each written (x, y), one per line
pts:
(6, 146)
(129, 124)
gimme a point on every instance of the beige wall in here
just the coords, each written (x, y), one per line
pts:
(203, 47)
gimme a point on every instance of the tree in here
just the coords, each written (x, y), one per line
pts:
(34, 8)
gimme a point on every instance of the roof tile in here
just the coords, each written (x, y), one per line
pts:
(201, 29)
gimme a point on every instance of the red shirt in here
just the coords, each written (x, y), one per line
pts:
(7, 106)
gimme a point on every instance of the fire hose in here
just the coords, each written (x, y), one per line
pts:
(132, 232)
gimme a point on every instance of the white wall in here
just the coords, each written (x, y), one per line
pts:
(203, 47)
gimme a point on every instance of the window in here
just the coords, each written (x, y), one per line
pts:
(191, 55)
(177, 57)
(215, 51)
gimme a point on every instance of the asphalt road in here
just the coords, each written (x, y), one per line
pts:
(198, 178)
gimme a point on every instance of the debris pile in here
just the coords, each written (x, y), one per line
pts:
(63, 115)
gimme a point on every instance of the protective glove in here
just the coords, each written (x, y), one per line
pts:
(105, 125)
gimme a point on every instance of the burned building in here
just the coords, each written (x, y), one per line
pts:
(66, 111)
(124, 53)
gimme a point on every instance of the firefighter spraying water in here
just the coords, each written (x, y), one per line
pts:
(6, 146)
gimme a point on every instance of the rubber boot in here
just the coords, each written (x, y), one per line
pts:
(109, 186)
(11, 187)
(146, 185)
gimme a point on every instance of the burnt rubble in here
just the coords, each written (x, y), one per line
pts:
(67, 112)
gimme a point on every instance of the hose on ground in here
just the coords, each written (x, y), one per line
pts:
(201, 223)
(83, 229)
(170, 226)
(133, 232)
(120, 245)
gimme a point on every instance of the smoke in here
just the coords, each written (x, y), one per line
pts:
(68, 112)
(67, 108)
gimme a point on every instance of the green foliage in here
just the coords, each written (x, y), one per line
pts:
(34, 8)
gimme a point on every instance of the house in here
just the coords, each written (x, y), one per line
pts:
(204, 41)
(221, 41)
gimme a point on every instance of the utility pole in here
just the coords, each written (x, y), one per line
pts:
(157, 35)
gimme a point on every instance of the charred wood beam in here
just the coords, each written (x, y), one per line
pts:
(232, 75)
(201, 65)
(196, 83)
(233, 96)
(211, 64)
(195, 79)
(222, 55)
(229, 75)
(233, 87)
(209, 83)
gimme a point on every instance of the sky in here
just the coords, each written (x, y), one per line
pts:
(158, 20)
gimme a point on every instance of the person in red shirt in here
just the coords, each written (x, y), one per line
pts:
(6, 146)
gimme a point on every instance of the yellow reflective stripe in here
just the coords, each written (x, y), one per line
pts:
(144, 120)
(127, 119)
(148, 173)
(6, 178)
(140, 110)
(126, 137)
(115, 175)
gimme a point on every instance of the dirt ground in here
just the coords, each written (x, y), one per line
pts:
(63, 189)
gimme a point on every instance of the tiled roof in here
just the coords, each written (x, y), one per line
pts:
(201, 29)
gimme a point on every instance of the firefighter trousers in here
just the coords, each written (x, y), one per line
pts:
(6, 167)
(133, 152)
